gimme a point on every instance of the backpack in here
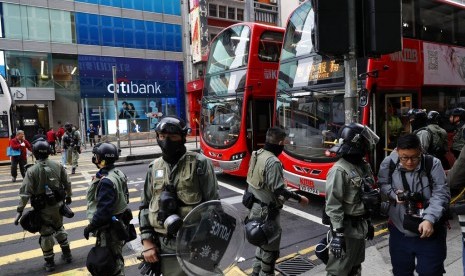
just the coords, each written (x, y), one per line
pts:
(439, 142)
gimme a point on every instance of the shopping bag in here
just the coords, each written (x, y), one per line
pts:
(12, 152)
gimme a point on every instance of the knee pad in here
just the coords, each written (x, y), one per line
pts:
(46, 242)
(62, 238)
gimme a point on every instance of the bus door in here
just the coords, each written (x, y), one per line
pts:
(259, 116)
(396, 122)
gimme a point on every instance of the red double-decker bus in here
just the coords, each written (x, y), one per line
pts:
(428, 73)
(238, 95)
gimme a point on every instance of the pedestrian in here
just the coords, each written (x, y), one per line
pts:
(72, 147)
(187, 177)
(457, 119)
(456, 181)
(91, 131)
(100, 133)
(48, 187)
(40, 134)
(59, 134)
(51, 139)
(415, 184)
(19, 143)
(264, 197)
(350, 200)
(107, 204)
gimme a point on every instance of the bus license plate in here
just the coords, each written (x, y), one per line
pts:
(305, 188)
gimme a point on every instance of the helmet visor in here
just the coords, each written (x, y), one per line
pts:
(369, 136)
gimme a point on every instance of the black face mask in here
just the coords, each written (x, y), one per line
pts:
(172, 151)
(355, 159)
(275, 149)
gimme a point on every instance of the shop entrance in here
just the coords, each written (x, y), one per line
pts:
(31, 118)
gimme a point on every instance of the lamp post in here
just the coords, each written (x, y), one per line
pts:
(115, 97)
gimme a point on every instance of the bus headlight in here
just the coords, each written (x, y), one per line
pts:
(238, 156)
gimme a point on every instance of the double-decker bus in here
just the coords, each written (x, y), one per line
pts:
(239, 93)
(6, 120)
(428, 73)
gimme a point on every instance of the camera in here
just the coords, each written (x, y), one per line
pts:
(412, 201)
(167, 216)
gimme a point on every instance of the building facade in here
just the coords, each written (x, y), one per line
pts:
(57, 56)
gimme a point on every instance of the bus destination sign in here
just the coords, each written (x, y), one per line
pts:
(325, 70)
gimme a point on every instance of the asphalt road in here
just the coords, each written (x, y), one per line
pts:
(20, 253)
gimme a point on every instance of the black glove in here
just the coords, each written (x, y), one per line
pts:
(68, 200)
(89, 229)
(18, 216)
(371, 231)
(338, 244)
(150, 269)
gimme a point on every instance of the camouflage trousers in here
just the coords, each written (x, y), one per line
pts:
(72, 157)
(108, 238)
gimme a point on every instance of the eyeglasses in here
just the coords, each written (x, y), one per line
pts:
(412, 158)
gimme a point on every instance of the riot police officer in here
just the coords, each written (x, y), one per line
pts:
(48, 187)
(178, 176)
(348, 181)
(457, 118)
(72, 146)
(265, 196)
(107, 203)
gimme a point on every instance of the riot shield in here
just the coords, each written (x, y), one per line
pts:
(211, 239)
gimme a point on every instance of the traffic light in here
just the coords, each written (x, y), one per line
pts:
(331, 28)
(383, 27)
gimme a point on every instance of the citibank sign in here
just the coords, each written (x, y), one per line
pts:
(135, 88)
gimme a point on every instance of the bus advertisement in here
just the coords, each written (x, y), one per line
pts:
(6, 119)
(428, 73)
(239, 93)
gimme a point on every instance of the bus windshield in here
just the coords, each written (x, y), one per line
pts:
(298, 40)
(221, 121)
(229, 50)
(312, 120)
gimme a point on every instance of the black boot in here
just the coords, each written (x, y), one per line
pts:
(49, 264)
(73, 171)
(66, 256)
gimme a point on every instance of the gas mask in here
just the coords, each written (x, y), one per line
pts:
(172, 150)
(167, 214)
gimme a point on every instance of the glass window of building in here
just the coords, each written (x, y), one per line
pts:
(139, 34)
(129, 33)
(172, 36)
(133, 4)
(240, 15)
(112, 3)
(112, 31)
(28, 69)
(222, 11)
(212, 10)
(62, 26)
(65, 71)
(153, 6)
(88, 29)
(38, 20)
(12, 21)
(171, 7)
(231, 13)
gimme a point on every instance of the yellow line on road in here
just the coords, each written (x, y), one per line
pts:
(68, 226)
(77, 198)
(16, 190)
(35, 253)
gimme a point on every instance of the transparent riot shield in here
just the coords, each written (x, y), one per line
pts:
(211, 239)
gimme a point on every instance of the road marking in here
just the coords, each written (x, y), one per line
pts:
(67, 226)
(16, 190)
(286, 208)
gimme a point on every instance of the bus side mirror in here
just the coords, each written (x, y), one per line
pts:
(363, 97)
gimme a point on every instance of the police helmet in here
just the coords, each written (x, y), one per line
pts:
(415, 114)
(68, 126)
(41, 149)
(354, 138)
(434, 117)
(260, 233)
(105, 151)
(458, 111)
(172, 125)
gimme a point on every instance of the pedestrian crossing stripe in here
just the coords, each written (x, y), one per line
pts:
(17, 189)
(77, 198)
(19, 181)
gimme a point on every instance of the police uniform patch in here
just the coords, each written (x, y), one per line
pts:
(159, 173)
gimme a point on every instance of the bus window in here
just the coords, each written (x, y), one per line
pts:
(4, 126)
(270, 45)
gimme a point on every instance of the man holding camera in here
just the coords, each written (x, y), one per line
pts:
(72, 146)
(48, 187)
(419, 197)
(175, 184)
(107, 203)
(350, 200)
